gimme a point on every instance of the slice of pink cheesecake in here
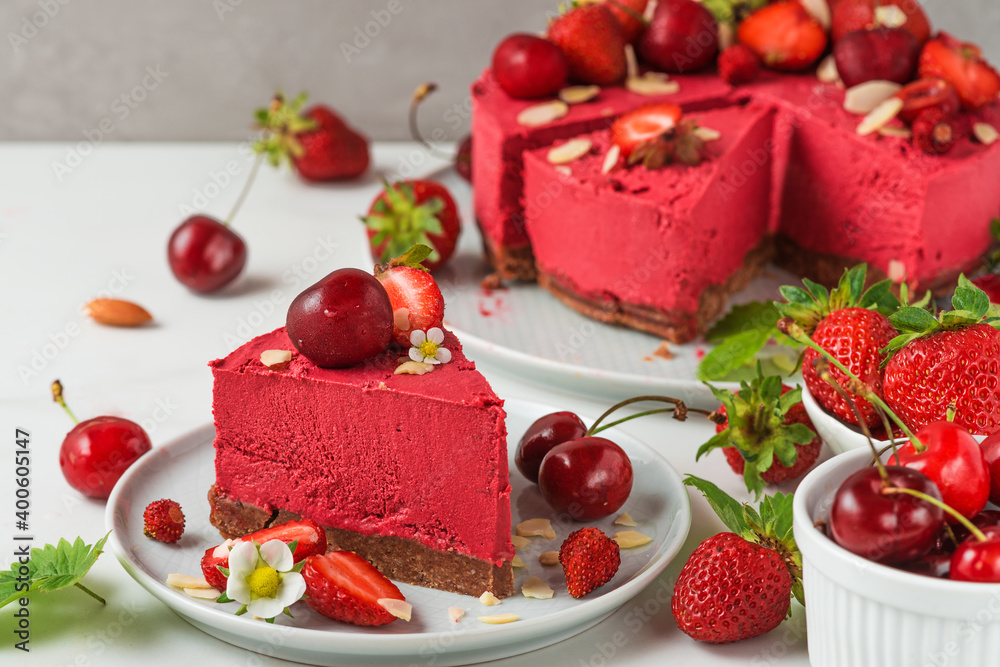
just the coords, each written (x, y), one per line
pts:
(500, 141)
(658, 250)
(409, 471)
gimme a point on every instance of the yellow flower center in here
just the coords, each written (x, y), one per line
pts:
(263, 582)
(428, 348)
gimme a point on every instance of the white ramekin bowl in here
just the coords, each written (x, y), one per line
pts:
(862, 614)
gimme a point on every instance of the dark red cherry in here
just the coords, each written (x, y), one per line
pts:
(205, 255)
(547, 432)
(98, 451)
(586, 478)
(528, 66)
(885, 527)
(463, 158)
(978, 561)
(934, 565)
(991, 450)
(884, 53)
(342, 320)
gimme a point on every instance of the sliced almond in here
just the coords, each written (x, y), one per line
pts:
(819, 10)
(536, 528)
(611, 159)
(563, 170)
(187, 581)
(574, 149)
(896, 131)
(896, 271)
(401, 319)
(117, 313)
(864, 97)
(890, 16)
(707, 133)
(487, 599)
(455, 614)
(413, 368)
(631, 63)
(276, 360)
(549, 558)
(536, 588)
(607, 111)
(727, 36)
(203, 593)
(880, 116)
(498, 619)
(543, 114)
(625, 520)
(519, 542)
(827, 70)
(628, 539)
(985, 133)
(398, 608)
(579, 94)
(516, 562)
(650, 86)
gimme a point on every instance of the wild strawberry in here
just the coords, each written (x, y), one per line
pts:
(589, 559)
(951, 360)
(592, 41)
(765, 427)
(416, 300)
(738, 585)
(630, 16)
(408, 213)
(784, 36)
(317, 142)
(345, 587)
(928, 94)
(850, 15)
(963, 65)
(933, 131)
(738, 65)
(307, 535)
(850, 324)
(163, 521)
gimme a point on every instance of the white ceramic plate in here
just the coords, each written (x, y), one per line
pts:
(184, 470)
(524, 330)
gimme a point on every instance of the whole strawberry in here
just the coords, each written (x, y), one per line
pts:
(784, 36)
(317, 142)
(952, 360)
(417, 303)
(589, 559)
(408, 213)
(738, 585)
(163, 521)
(592, 41)
(345, 587)
(962, 64)
(630, 16)
(851, 324)
(766, 427)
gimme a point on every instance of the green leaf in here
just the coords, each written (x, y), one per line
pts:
(728, 509)
(995, 228)
(880, 297)
(776, 510)
(819, 292)
(223, 598)
(790, 399)
(970, 298)
(753, 316)
(910, 318)
(853, 282)
(51, 568)
(718, 441)
(797, 295)
(732, 353)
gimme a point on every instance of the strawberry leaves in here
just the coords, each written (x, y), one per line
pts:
(281, 122)
(51, 568)
(400, 221)
(810, 305)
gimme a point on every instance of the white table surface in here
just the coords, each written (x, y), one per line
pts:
(103, 227)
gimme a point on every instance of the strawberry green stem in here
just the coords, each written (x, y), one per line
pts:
(958, 516)
(246, 189)
(680, 411)
(91, 593)
(57, 396)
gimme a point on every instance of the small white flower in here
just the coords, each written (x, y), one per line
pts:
(263, 578)
(427, 347)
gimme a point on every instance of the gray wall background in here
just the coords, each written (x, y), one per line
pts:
(195, 69)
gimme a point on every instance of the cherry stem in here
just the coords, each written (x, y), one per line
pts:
(595, 431)
(971, 527)
(421, 93)
(824, 374)
(680, 411)
(246, 189)
(57, 396)
(91, 593)
(791, 328)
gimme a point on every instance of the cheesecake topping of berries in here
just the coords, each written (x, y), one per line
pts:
(656, 135)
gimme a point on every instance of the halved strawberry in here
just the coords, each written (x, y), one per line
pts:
(644, 124)
(416, 299)
(310, 539)
(345, 587)
(784, 36)
(412, 212)
(927, 94)
(962, 64)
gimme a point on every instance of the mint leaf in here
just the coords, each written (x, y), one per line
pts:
(728, 509)
(756, 316)
(51, 568)
(733, 353)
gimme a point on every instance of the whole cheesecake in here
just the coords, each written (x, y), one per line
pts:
(408, 471)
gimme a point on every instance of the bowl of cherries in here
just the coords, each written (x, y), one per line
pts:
(901, 559)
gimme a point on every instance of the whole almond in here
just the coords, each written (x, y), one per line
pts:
(117, 313)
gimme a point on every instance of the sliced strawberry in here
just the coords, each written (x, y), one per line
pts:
(412, 212)
(926, 94)
(310, 538)
(417, 303)
(345, 587)
(644, 124)
(962, 64)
